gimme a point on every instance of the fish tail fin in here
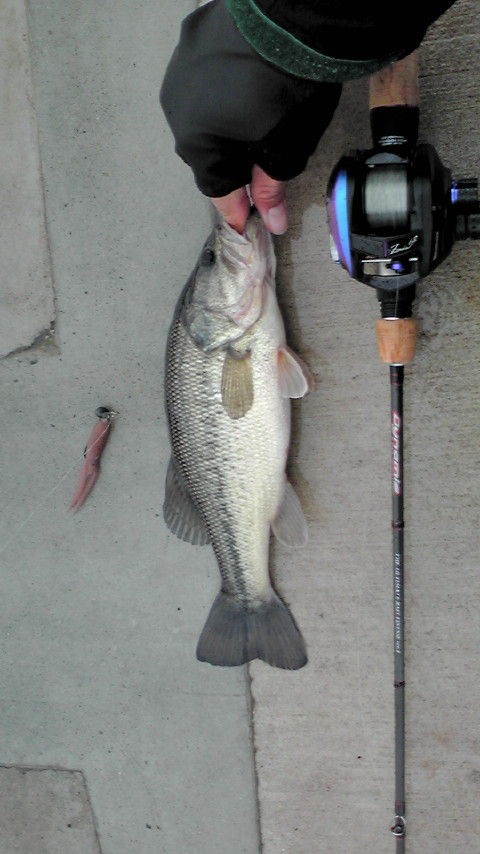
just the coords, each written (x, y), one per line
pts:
(224, 637)
(273, 636)
(234, 634)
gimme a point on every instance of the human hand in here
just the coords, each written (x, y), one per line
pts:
(238, 121)
(268, 196)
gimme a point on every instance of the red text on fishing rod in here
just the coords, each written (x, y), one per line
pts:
(396, 452)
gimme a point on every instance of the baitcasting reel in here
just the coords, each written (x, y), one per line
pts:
(394, 215)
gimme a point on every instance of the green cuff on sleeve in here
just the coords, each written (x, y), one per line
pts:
(284, 50)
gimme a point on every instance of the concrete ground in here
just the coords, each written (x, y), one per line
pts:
(113, 737)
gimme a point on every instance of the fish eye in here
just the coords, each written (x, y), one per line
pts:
(208, 257)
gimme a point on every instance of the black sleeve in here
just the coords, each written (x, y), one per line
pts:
(229, 109)
(354, 29)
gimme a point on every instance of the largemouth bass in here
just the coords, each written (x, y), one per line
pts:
(229, 377)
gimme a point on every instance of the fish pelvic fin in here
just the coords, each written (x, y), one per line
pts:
(180, 513)
(295, 378)
(235, 633)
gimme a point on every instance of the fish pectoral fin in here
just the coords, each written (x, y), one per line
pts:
(180, 513)
(289, 525)
(296, 379)
(237, 384)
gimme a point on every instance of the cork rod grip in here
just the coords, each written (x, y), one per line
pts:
(396, 84)
(396, 339)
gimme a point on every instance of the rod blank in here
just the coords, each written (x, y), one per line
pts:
(398, 525)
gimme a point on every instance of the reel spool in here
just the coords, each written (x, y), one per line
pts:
(386, 198)
(394, 217)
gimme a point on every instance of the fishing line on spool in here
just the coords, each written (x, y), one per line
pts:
(386, 202)
(386, 197)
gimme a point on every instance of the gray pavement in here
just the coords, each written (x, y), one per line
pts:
(100, 690)
(45, 810)
(26, 291)
(101, 611)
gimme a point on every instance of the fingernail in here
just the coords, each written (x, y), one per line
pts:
(276, 219)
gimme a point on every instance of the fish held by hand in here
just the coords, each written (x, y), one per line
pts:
(228, 382)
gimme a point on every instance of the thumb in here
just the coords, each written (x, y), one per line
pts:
(269, 199)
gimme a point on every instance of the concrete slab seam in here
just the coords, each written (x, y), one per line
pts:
(256, 776)
(51, 330)
(60, 769)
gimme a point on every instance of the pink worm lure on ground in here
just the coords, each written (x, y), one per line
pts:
(93, 451)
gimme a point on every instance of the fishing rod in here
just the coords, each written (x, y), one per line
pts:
(394, 212)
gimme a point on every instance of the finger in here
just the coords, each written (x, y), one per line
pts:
(235, 208)
(269, 198)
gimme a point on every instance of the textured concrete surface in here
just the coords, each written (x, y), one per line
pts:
(101, 611)
(45, 811)
(324, 736)
(26, 288)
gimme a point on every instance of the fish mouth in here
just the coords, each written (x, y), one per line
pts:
(249, 253)
(236, 248)
(262, 243)
(255, 238)
(247, 257)
(256, 232)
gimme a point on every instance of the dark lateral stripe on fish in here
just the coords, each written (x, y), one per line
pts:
(232, 574)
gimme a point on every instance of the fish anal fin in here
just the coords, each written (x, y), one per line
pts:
(179, 511)
(237, 384)
(289, 525)
(296, 379)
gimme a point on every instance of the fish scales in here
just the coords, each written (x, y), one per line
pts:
(234, 468)
(227, 483)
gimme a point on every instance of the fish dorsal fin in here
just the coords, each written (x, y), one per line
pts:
(295, 377)
(180, 513)
(237, 383)
(289, 525)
